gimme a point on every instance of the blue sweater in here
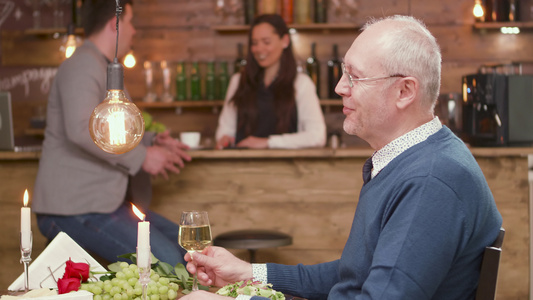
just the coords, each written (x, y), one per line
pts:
(419, 231)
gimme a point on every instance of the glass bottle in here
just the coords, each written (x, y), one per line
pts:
(302, 11)
(181, 82)
(222, 80)
(194, 82)
(240, 61)
(313, 68)
(250, 11)
(210, 93)
(334, 73)
(321, 11)
(287, 11)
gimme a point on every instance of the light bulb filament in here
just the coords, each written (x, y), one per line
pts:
(117, 127)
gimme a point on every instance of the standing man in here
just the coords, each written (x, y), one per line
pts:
(425, 212)
(82, 190)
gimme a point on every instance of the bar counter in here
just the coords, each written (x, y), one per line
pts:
(310, 194)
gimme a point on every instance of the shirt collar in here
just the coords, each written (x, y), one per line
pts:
(382, 157)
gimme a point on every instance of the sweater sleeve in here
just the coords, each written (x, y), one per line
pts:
(308, 281)
(311, 123)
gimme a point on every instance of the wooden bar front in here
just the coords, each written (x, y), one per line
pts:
(310, 194)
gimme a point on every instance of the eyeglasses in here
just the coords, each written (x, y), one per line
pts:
(352, 79)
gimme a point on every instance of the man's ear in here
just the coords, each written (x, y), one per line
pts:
(408, 92)
(112, 24)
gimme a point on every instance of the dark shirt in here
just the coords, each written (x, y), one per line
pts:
(266, 118)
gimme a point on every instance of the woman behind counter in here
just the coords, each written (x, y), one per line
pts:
(269, 104)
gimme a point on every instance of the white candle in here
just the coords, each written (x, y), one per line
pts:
(25, 223)
(143, 239)
(143, 244)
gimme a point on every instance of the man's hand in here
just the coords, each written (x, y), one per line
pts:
(159, 160)
(173, 145)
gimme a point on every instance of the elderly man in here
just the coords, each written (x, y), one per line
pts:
(425, 212)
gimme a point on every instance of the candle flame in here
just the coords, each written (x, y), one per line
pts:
(137, 212)
(26, 198)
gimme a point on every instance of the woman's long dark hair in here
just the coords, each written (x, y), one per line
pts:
(282, 86)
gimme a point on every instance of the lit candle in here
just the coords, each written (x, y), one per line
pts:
(25, 223)
(143, 240)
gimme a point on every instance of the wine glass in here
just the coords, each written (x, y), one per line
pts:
(194, 235)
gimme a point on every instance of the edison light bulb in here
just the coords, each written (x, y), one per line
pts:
(129, 60)
(116, 125)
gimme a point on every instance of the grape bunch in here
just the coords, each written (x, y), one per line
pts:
(126, 286)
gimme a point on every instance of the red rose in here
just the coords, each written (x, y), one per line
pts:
(67, 285)
(79, 271)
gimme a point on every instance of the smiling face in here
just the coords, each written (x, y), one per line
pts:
(267, 46)
(368, 105)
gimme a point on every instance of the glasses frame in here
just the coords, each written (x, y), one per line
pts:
(352, 80)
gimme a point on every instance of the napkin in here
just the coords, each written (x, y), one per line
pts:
(52, 260)
(46, 294)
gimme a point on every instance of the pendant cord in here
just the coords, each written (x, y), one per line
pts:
(117, 13)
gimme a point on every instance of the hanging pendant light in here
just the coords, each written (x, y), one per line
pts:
(116, 125)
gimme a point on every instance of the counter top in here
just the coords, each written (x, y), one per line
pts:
(286, 153)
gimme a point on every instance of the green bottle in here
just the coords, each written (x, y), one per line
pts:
(210, 92)
(181, 82)
(194, 81)
(222, 80)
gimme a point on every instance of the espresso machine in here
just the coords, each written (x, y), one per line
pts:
(497, 110)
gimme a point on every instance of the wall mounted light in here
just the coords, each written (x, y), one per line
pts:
(129, 60)
(116, 125)
(479, 11)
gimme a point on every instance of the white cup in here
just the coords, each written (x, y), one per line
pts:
(191, 139)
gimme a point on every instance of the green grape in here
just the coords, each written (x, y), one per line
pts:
(124, 265)
(155, 277)
(108, 286)
(100, 284)
(133, 267)
(133, 281)
(164, 281)
(96, 290)
(128, 273)
(106, 297)
(172, 294)
(163, 290)
(162, 297)
(114, 291)
(120, 275)
(174, 286)
(97, 297)
(138, 291)
(154, 297)
(117, 297)
(85, 286)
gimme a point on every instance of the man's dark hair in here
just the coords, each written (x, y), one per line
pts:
(96, 13)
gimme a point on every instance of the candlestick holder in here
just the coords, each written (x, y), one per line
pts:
(144, 272)
(25, 250)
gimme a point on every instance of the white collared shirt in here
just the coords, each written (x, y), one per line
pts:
(382, 157)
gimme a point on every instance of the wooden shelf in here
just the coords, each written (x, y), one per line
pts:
(211, 103)
(498, 25)
(51, 31)
(303, 27)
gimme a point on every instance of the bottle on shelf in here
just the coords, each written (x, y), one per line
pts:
(166, 96)
(194, 82)
(222, 80)
(321, 11)
(181, 82)
(267, 6)
(210, 92)
(240, 61)
(302, 11)
(150, 96)
(250, 11)
(287, 11)
(313, 68)
(334, 73)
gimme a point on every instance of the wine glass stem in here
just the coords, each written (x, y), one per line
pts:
(144, 288)
(195, 282)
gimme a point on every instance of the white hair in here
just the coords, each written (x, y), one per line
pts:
(411, 50)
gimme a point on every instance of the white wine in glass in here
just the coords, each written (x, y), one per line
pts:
(194, 234)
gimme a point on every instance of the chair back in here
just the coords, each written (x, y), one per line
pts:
(490, 264)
